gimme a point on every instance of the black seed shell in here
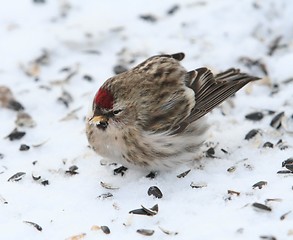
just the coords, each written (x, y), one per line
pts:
(155, 191)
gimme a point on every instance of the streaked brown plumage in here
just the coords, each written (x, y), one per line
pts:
(152, 115)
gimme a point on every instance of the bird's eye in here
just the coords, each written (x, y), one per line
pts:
(115, 112)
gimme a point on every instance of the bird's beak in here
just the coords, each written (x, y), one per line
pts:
(100, 121)
(97, 119)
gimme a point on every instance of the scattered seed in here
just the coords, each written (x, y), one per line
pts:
(252, 133)
(287, 161)
(210, 152)
(151, 211)
(275, 44)
(44, 58)
(281, 145)
(173, 9)
(268, 145)
(15, 105)
(289, 167)
(268, 237)
(198, 185)
(105, 229)
(277, 120)
(119, 69)
(40, 180)
(145, 232)
(273, 200)
(3, 200)
(65, 98)
(16, 177)
(261, 206)
(284, 172)
(36, 178)
(24, 120)
(259, 184)
(254, 63)
(24, 147)
(108, 186)
(146, 211)
(184, 174)
(255, 116)
(15, 135)
(95, 228)
(88, 78)
(148, 18)
(76, 237)
(248, 166)
(1, 155)
(103, 162)
(40, 144)
(152, 175)
(65, 69)
(37, 226)
(72, 170)
(92, 51)
(232, 192)
(167, 231)
(231, 169)
(224, 151)
(120, 170)
(105, 196)
(45, 182)
(155, 191)
(285, 215)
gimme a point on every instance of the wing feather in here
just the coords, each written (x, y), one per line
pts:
(210, 90)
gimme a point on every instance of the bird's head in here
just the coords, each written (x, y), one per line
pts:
(104, 109)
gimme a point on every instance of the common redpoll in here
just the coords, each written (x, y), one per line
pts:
(152, 115)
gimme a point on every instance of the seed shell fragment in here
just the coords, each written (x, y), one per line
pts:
(24, 120)
(259, 184)
(146, 211)
(285, 215)
(255, 116)
(72, 170)
(16, 177)
(287, 161)
(76, 237)
(152, 175)
(105, 229)
(24, 147)
(35, 225)
(251, 134)
(277, 120)
(168, 232)
(15, 135)
(155, 191)
(268, 145)
(284, 172)
(120, 170)
(108, 186)
(268, 237)
(3, 200)
(232, 192)
(145, 232)
(289, 167)
(105, 196)
(184, 174)
(260, 206)
(198, 185)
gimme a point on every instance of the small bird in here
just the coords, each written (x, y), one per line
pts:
(152, 116)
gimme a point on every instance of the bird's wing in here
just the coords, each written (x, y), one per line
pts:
(212, 90)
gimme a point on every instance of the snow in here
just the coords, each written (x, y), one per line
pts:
(215, 34)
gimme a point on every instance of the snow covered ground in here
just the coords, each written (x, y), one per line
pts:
(56, 54)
